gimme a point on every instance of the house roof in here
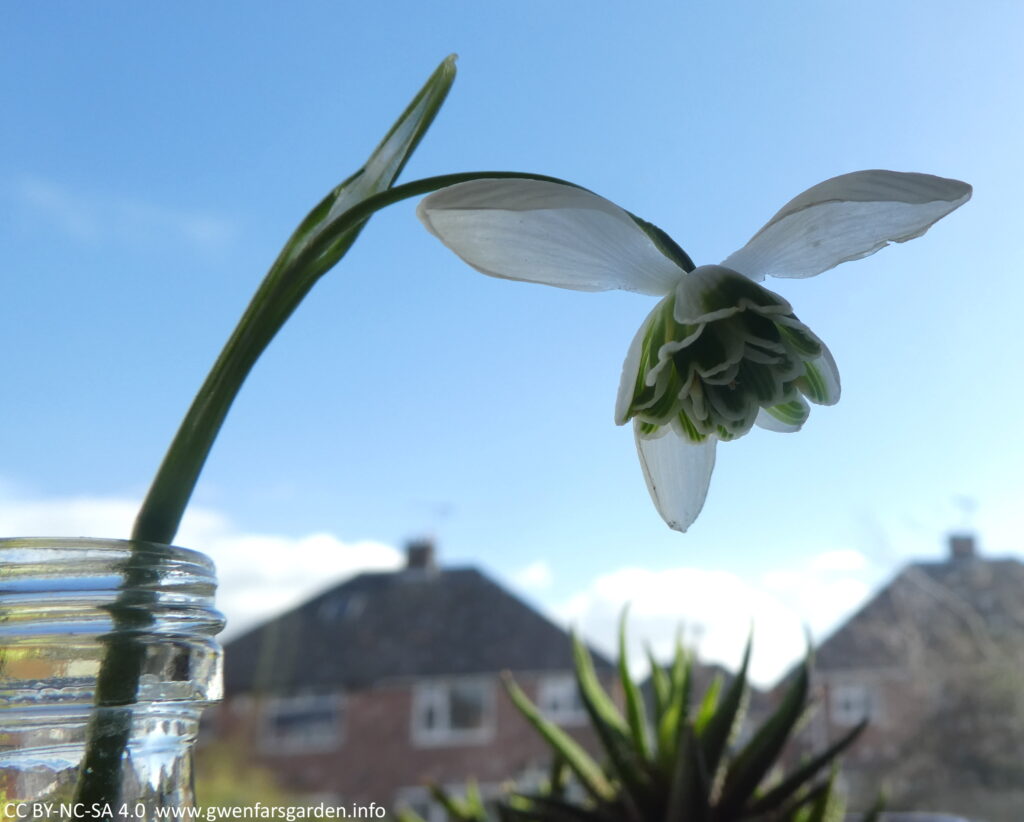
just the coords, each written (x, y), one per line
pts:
(962, 610)
(412, 623)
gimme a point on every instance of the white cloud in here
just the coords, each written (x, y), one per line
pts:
(259, 574)
(105, 218)
(535, 576)
(70, 516)
(715, 610)
(843, 559)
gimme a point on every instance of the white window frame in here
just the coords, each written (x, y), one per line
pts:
(272, 741)
(558, 698)
(435, 695)
(852, 702)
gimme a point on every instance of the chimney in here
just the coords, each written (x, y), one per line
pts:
(961, 547)
(419, 555)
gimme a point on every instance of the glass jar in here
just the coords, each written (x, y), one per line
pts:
(66, 605)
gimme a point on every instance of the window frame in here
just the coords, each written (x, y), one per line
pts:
(436, 695)
(272, 741)
(562, 690)
(863, 698)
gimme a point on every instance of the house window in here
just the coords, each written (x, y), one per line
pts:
(558, 698)
(307, 722)
(453, 712)
(851, 702)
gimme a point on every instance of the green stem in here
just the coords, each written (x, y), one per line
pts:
(309, 252)
(118, 681)
(286, 284)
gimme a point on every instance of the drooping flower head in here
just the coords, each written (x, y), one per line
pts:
(719, 353)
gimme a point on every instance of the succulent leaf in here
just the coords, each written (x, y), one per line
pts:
(722, 725)
(589, 773)
(636, 715)
(827, 807)
(791, 784)
(469, 809)
(676, 711)
(688, 785)
(629, 765)
(754, 762)
(691, 774)
(708, 705)
(660, 686)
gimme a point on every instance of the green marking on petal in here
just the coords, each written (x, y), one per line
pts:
(794, 412)
(688, 429)
(695, 403)
(730, 403)
(665, 399)
(736, 290)
(725, 376)
(762, 332)
(800, 338)
(643, 394)
(713, 292)
(647, 429)
(708, 353)
(762, 381)
(665, 244)
(812, 385)
(756, 354)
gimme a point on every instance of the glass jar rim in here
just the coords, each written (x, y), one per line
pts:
(125, 546)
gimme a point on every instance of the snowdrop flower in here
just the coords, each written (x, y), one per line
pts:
(719, 353)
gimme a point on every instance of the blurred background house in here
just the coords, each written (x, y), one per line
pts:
(935, 660)
(390, 681)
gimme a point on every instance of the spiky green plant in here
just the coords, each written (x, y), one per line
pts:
(681, 764)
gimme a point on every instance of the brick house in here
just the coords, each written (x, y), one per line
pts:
(391, 681)
(924, 660)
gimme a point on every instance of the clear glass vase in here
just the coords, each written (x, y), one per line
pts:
(66, 605)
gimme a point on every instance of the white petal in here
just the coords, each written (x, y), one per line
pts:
(677, 473)
(548, 233)
(845, 218)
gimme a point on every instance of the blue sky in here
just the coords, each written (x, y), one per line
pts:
(155, 157)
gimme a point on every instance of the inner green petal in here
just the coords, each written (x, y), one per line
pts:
(712, 377)
(800, 338)
(688, 429)
(812, 384)
(794, 412)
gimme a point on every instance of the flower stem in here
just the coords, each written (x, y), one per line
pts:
(308, 254)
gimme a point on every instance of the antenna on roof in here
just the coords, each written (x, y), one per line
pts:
(434, 515)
